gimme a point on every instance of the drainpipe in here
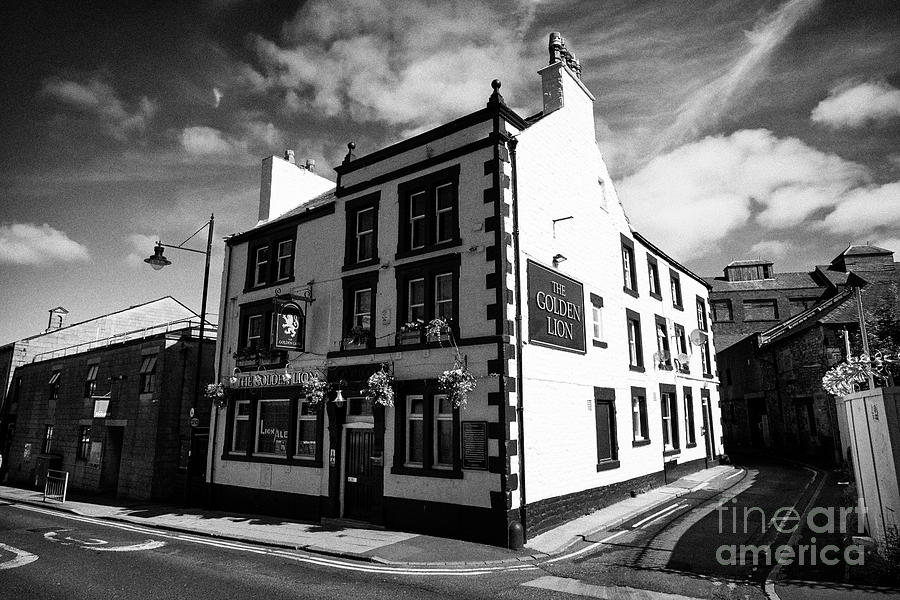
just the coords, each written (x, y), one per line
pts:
(223, 318)
(517, 262)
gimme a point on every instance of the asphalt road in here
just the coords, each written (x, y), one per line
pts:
(671, 549)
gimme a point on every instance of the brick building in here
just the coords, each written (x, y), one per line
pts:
(772, 394)
(112, 411)
(510, 230)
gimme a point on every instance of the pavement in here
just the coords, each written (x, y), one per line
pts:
(351, 540)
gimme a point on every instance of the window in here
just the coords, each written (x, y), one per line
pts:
(273, 422)
(257, 323)
(48, 439)
(427, 440)
(429, 212)
(653, 272)
(240, 427)
(760, 310)
(689, 433)
(54, 384)
(635, 350)
(662, 344)
(83, 451)
(798, 305)
(702, 323)
(675, 284)
(360, 293)
(705, 359)
(285, 259)
(605, 420)
(307, 431)
(669, 407)
(147, 374)
(90, 381)
(597, 320)
(428, 290)
(361, 248)
(680, 339)
(270, 260)
(640, 430)
(628, 272)
(721, 310)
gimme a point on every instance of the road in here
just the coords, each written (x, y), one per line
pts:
(668, 550)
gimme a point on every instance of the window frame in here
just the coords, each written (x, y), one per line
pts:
(606, 397)
(690, 432)
(235, 417)
(597, 321)
(668, 403)
(312, 415)
(437, 418)
(429, 185)
(427, 391)
(262, 274)
(352, 286)
(702, 316)
(675, 288)
(635, 341)
(747, 303)
(147, 373)
(640, 424)
(428, 270)
(629, 272)
(47, 445)
(653, 277)
(662, 341)
(83, 449)
(265, 310)
(54, 383)
(90, 380)
(352, 241)
(721, 302)
(286, 259)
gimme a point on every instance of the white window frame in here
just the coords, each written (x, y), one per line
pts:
(439, 212)
(284, 258)
(690, 436)
(414, 218)
(597, 317)
(250, 336)
(410, 416)
(239, 417)
(675, 286)
(357, 313)
(653, 274)
(627, 267)
(409, 299)
(259, 412)
(437, 418)
(309, 417)
(449, 300)
(701, 315)
(639, 418)
(260, 267)
(669, 424)
(362, 233)
(633, 343)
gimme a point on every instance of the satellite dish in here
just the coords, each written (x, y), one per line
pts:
(698, 337)
(684, 358)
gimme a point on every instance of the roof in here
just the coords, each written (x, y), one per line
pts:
(780, 281)
(874, 295)
(746, 263)
(802, 320)
(306, 210)
(668, 258)
(860, 250)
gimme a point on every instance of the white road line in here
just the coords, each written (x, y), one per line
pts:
(654, 515)
(703, 485)
(739, 471)
(148, 545)
(286, 554)
(585, 549)
(573, 586)
(668, 514)
(22, 558)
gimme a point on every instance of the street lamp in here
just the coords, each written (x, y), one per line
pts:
(158, 261)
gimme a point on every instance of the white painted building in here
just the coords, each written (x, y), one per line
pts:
(587, 384)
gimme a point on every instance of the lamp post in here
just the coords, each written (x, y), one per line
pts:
(158, 261)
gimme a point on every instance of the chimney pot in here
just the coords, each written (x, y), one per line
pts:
(310, 165)
(289, 156)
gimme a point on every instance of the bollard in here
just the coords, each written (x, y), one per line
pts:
(516, 536)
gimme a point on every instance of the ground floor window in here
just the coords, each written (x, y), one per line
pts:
(307, 431)
(48, 439)
(689, 433)
(84, 442)
(669, 407)
(240, 431)
(273, 422)
(640, 430)
(428, 431)
(275, 429)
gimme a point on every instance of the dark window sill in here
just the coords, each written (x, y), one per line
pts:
(607, 465)
(425, 250)
(636, 369)
(657, 296)
(639, 443)
(694, 445)
(630, 292)
(672, 452)
(599, 344)
(678, 307)
(421, 472)
(708, 376)
(268, 285)
(272, 460)
(665, 367)
(372, 262)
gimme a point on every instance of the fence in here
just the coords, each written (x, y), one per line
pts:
(56, 485)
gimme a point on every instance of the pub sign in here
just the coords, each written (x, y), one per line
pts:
(290, 327)
(555, 309)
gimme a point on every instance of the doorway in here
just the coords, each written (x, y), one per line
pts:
(112, 457)
(360, 480)
(709, 433)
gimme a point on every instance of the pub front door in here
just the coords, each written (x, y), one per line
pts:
(360, 474)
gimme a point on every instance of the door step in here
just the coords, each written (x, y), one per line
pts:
(352, 524)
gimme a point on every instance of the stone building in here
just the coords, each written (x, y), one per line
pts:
(509, 230)
(112, 410)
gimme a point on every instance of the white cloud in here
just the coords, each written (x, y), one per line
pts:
(217, 96)
(32, 244)
(769, 249)
(142, 246)
(99, 99)
(866, 209)
(853, 105)
(692, 197)
(205, 141)
(401, 62)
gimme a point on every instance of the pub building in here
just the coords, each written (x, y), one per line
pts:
(589, 345)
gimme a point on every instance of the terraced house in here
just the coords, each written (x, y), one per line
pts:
(590, 346)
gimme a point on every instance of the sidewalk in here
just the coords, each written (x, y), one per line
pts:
(387, 547)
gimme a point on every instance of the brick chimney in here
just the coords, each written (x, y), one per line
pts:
(57, 315)
(285, 185)
(562, 86)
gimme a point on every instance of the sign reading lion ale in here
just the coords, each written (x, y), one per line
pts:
(290, 327)
(555, 309)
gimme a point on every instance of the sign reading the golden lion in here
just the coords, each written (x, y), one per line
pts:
(555, 309)
(290, 327)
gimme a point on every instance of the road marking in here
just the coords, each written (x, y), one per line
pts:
(573, 586)
(656, 514)
(703, 485)
(93, 543)
(585, 549)
(738, 472)
(22, 558)
(148, 545)
(297, 556)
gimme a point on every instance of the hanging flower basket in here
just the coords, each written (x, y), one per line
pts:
(379, 387)
(457, 383)
(848, 376)
(314, 389)
(216, 392)
(437, 330)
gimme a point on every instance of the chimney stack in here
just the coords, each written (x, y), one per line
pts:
(56, 319)
(289, 156)
(310, 165)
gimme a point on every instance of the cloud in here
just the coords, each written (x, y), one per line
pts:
(96, 98)
(770, 249)
(866, 209)
(253, 139)
(32, 244)
(204, 141)
(718, 184)
(142, 248)
(411, 63)
(217, 96)
(854, 105)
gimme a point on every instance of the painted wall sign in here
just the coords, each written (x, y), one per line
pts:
(271, 379)
(555, 309)
(290, 327)
(474, 443)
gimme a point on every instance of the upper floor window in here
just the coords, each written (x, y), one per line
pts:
(54, 384)
(147, 374)
(360, 293)
(90, 381)
(702, 323)
(48, 439)
(662, 343)
(83, 450)
(760, 310)
(675, 284)
(271, 259)
(256, 326)
(680, 339)
(798, 305)
(429, 212)
(362, 232)
(635, 351)
(653, 273)
(721, 310)
(628, 271)
(706, 359)
(428, 290)
(597, 320)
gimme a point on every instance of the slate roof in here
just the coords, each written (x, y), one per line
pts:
(781, 281)
(860, 250)
(320, 200)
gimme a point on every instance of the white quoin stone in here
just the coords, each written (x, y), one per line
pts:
(284, 185)
(560, 87)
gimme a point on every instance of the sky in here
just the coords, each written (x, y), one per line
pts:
(732, 128)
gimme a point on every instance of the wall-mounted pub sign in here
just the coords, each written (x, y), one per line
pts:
(290, 327)
(555, 309)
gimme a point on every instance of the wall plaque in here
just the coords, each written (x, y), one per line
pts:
(555, 309)
(474, 443)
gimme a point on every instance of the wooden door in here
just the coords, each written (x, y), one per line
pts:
(360, 485)
(708, 431)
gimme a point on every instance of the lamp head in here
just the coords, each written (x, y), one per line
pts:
(158, 261)
(339, 398)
